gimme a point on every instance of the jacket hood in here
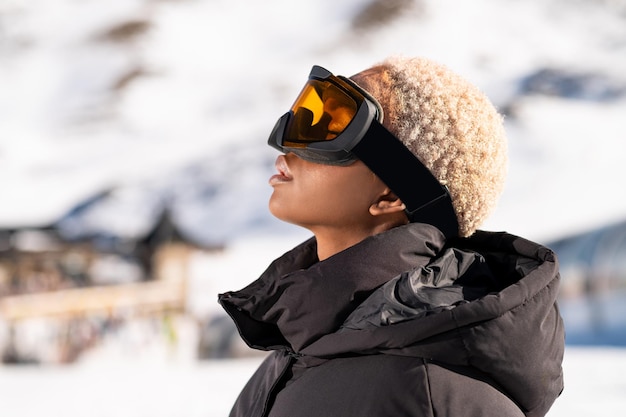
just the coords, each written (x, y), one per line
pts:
(487, 302)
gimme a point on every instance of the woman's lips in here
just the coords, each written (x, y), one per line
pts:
(283, 172)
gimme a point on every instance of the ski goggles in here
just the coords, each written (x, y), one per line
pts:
(333, 121)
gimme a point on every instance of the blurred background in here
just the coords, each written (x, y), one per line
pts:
(133, 179)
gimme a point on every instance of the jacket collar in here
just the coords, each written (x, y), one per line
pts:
(297, 299)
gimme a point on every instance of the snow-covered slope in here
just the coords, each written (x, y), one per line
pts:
(594, 385)
(170, 103)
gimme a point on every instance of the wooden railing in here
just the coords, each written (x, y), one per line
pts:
(148, 296)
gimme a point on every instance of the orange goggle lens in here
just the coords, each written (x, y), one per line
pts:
(321, 112)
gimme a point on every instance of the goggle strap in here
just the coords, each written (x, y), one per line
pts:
(425, 198)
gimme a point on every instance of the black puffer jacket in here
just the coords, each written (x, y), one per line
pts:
(403, 324)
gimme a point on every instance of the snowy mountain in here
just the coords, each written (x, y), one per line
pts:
(167, 105)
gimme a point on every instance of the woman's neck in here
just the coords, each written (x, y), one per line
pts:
(332, 240)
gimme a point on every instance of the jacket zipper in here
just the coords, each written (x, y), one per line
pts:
(291, 358)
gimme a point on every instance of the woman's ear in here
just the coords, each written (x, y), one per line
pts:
(387, 203)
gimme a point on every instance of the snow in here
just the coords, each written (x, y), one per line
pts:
(595, 385)
(204, 77)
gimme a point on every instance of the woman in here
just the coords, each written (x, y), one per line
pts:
(398, 306)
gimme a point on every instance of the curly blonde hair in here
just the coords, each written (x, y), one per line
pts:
(450, 125)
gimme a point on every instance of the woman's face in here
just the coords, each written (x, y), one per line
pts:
(314, 195)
